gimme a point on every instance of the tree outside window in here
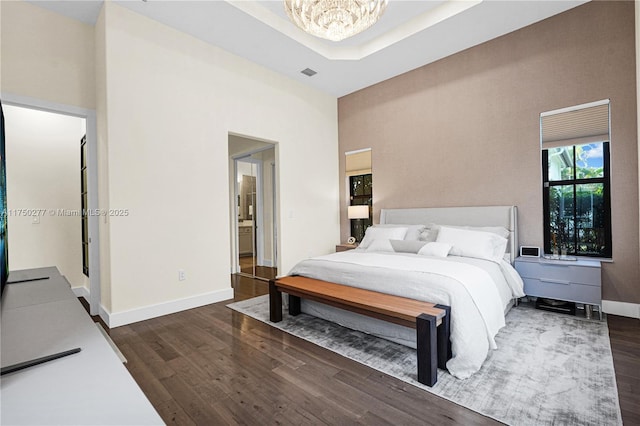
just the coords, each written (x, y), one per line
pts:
(577, 201)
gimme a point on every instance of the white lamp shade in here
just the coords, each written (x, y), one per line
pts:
(358, 212)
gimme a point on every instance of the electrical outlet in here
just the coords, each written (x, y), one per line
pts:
(182, 275)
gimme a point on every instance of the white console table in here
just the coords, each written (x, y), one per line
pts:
(41, 317)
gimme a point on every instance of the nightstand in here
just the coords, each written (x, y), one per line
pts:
(569, 280)
(345, 247)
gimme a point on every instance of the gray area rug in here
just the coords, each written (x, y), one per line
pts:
(550, 369)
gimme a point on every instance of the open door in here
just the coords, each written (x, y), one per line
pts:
(255, 224)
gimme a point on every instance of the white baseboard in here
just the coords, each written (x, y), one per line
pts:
(623, 309)
(118, 319)
(81, 292)
(104, 314)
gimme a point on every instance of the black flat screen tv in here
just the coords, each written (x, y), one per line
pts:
(4, 253)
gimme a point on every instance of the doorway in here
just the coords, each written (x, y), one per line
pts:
(32, 121)
(254, 208)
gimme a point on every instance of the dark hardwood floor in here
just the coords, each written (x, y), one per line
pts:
(214, 366)
(248, 267)
(624, 334)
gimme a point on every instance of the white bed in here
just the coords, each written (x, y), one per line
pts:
(479, 291)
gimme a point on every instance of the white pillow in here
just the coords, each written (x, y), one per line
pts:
(380, 245)
(407, 246)
(435, 249)
(479, 244)
(382, 233)
(430, 233)
(413, 231)
(499, 230)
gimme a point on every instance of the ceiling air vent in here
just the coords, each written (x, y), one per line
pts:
(308, 72)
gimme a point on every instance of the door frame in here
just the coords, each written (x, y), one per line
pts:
(274, 216)
(89, 115)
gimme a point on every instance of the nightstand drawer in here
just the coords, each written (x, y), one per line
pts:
(562, 290)
(560, 272)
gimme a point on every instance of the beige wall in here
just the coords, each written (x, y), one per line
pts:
(465, 130)
(637, 29)
(165, 104)
(102, 142)
(46, 56)
(171, 102)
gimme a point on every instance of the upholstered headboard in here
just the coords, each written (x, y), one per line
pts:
(506, 216)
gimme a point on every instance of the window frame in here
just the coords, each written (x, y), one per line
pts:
(605, 180)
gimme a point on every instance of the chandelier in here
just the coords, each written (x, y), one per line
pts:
(334, 19)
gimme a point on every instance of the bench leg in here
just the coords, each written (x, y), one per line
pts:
(294, 305)
(444, 334)
(275, 303)
(427, 349)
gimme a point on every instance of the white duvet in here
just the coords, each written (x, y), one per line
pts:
(478, 292)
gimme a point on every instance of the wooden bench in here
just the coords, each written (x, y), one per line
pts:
(432, 322)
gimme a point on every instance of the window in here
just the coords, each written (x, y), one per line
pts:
(576, 176)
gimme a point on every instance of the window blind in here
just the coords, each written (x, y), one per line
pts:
(358, 163)
(575, 126)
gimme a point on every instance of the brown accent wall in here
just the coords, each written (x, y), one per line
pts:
(465, 130)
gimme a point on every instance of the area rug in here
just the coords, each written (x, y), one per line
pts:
(550, 369)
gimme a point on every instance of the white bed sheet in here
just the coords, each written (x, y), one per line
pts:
(478, 292)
